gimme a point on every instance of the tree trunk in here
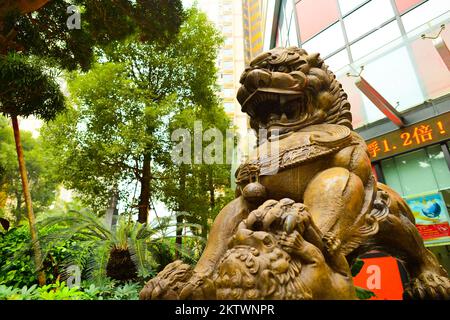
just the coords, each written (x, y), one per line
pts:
(144, 199)
(112, 207)
(212, 199)
(212, 202)
(181, 209)
(29, 206)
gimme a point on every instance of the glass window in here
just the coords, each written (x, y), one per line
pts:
(430, 67)
(227, 18)
(337, 61)
(227, 78)
(228, 65)
(394, 76)
(404, 5)
(282, 31)
(424, 13)
(375, 40)
(228, 106)
(227, 52)
(439, 166)
(368, 17)
(327, 41)
(314, 16)
(348, 5)
(227, 29)
(228, 41)
(228, 93)
(292, 32)
(416, 174)
(355, 99)
(372, 112)
(227, 8)
(391, 175)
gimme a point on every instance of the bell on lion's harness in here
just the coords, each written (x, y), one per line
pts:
(254, 192)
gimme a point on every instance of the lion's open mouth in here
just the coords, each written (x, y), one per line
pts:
(278, 113)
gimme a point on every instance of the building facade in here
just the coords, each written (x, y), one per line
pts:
(392, 59)
(253, 28)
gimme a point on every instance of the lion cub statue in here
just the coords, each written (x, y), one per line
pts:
(307, 203)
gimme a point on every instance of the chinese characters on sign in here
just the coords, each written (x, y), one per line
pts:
(406, 139)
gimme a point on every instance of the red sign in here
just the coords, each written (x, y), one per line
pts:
(434, 231)
(382, 277)
(424, 133)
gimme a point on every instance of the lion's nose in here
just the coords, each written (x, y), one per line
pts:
(257, 79)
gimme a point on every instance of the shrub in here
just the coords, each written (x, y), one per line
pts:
(17, 267)
(110, 290)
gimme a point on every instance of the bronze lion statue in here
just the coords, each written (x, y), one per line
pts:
(303, 210)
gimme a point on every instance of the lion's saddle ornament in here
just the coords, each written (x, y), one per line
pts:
(307, 203)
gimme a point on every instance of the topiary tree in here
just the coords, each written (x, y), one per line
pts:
(28, 89)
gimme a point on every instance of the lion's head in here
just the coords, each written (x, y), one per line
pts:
(256, 267)
(286, 89)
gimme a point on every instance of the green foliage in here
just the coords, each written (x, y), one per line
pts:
(140, 240)
(59, 291)
(27, 88)
(16, 263)
(356, 267)
(110, 290)
(126, 108)
(364, 294)
(38, 160)
(44, 33)
(17, 266)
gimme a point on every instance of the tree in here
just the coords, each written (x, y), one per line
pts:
(198, 190)
(42, 183)
(117, 135)
(37, 28)
(28, 89)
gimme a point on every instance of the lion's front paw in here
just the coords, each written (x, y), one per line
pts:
(426, 286)
(283, 215)
(331, 242)
(168, 283)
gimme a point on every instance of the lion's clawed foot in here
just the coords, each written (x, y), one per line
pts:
(178, 281)
(168, 283)
(331, 242)
(428, 285)
(284, 215)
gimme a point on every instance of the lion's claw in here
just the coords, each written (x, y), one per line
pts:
(283, 215)
(168, 282)
(426, 286)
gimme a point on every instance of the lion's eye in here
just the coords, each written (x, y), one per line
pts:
(282, 69)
